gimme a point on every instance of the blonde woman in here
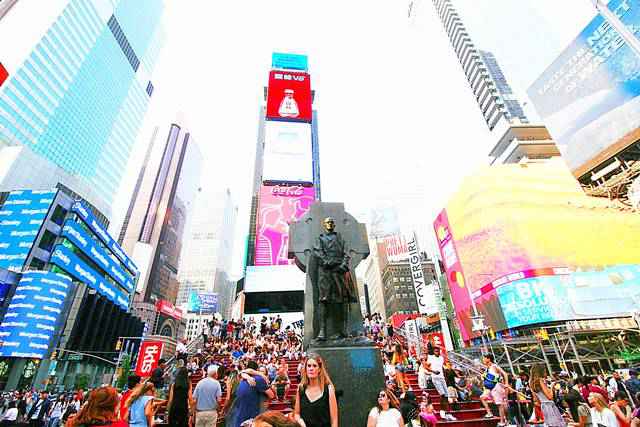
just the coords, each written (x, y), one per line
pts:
(601, 415)
(141, 404)
(316, 404)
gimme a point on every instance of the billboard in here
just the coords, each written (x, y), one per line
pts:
(289, 96)
(21, 217)
(30, 323)
(288, 155)
(203, 302)
(75, 233)
(509, 231)
(278, 206)
(168, 309)
(94, 225)
(289, 61)
(588, 97)
(64, 258)
(276, 278)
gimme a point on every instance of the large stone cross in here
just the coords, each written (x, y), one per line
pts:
(302, 237)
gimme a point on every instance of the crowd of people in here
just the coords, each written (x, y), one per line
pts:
(245, 367)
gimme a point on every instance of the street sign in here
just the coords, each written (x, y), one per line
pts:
(75, 357)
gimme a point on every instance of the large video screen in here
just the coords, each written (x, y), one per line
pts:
(511, 228)
(289, 96)
(278, 206)
(588, 97)
(288, 155)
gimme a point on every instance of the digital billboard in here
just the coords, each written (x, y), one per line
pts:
(289, 61)
(278, 206)
(513, 229)
(64, 258)
(94, 225)
(74, 232)
(34, 310)
(288, 155)
(275, 278)
(21, 217)
(289, 96)
(203, 302)
(588, 97)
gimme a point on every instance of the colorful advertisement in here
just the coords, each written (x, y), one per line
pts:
(289, 61)
(289, 96)
(21, 217)
(275, 278)
(4, 74)
(288, 155)
(528, 235)
(94, 225)
(455, 277)
(588, 97)
(203, 302)
(279, 205)
(395, 247)
(33, 313)
(148, 357)
(64, 258)
(74, 232)
(168, 309)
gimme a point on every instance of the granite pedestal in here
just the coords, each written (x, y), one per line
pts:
(357, 373)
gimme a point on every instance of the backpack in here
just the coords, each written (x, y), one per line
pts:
(490, 381)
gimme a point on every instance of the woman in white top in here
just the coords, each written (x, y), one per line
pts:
(424, 373)
(10, 417)
(385, 413)
(601, 415)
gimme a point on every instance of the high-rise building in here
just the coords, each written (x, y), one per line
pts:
(399, 293)
(208, 251)
(491, 89)
(286, 183)
(154, 230)
(78, 86)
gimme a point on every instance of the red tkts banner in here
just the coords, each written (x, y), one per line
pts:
(168, 309)
(148, 357)
(289, 96)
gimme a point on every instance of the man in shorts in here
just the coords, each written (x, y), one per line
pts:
(496, 382)
(435, 366)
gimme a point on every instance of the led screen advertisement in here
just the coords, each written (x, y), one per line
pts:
(588, 97)
(278, 206)
(289, 61)
(288, 155)
(289, 96)
(517, 230)
(30, 323)
(95, 226)
(64, 258)
(21, 217)
(82, 240)
(203, 302)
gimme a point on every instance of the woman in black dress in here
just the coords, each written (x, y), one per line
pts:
(316, 404)
(180, 399)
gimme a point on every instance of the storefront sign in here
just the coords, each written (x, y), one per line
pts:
(148, 357)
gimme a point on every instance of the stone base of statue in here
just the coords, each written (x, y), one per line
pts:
(355, 367)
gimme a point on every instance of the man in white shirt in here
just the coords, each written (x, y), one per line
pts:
(435, 366)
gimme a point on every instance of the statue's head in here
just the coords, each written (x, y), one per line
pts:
(329, 224)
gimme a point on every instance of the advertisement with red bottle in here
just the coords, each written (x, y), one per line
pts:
(289, 96)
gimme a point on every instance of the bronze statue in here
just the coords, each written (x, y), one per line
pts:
(334, 282)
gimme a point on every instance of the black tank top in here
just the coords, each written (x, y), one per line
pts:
(315, 414)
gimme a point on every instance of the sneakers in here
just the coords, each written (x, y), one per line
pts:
(488, 415)
(443, 415)
(450, 417)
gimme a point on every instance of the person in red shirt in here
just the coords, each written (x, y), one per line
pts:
(100, 410)
(594, 387)
(132, 382)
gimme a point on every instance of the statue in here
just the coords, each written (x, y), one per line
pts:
(328, 243)
(333, 280)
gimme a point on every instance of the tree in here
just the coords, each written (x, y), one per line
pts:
(82, 381)
(125, 370)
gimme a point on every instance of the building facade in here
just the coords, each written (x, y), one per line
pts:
(77, 90)
(491, 89)
(159, 215)
(208, 250)
(70, 278)
(399, 293)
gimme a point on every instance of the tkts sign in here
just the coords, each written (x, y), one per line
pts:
(148, 357)
(289, 96)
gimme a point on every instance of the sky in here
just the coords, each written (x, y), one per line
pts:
(397, 120)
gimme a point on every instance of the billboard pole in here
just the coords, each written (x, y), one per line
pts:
(617, 25)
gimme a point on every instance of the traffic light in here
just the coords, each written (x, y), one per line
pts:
(54, 354)
(119, 345)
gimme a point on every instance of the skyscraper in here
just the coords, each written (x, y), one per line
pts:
(73, 103)
(491, 89)
(154, 228)
(208, 250)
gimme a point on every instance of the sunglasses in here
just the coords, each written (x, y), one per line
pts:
(382, 395)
